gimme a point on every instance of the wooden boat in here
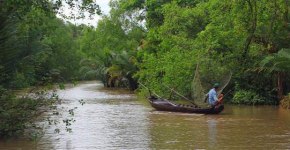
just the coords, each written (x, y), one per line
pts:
(165, 105)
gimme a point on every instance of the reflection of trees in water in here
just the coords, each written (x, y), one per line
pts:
(177, 131)
(212, 132)
(262, 127)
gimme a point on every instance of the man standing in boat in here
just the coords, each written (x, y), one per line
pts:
(213, 98)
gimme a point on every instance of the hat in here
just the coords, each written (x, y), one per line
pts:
(216, 85)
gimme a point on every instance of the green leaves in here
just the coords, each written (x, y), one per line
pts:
(218, 35)
(279, 62)
(111, 49)
(247, 97)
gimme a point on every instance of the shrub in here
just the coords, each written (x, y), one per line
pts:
(19, 81)
(18, 113)
(247, 97)
(15, 113)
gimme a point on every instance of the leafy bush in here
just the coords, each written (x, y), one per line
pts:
(15, 113)
(19, 81)
(20, 116)
(247, 97)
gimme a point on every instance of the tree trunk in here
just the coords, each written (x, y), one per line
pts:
(133, 85)
(280, 85)
(285, 16)
(252, 30)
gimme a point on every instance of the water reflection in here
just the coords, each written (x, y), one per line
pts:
(239, 127)
(212, 132)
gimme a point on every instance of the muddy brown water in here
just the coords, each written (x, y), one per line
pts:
(116, 119)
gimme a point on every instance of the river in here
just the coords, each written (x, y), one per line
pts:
(116, 119)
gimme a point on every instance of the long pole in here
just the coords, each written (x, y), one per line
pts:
(149, 90)
(228, 92)
(179, 94)
(228, 81)
(155, 94)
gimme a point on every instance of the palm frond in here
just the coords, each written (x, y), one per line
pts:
(277, 62)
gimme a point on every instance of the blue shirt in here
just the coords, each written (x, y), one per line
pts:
(212, 97)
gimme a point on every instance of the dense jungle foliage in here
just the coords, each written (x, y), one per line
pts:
(36, 49)
(248, 37)
(153, 42)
